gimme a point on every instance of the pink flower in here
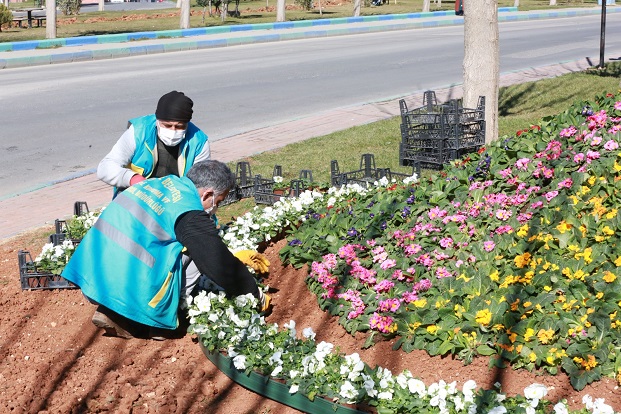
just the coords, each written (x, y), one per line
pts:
(381, 323)
(503, 214)
(611, 145)
(436, 213)
(550, 195)
(522, 164)
(384, 286)
(446, 242)
(389, 305)
(388, 263)
(505, 173)
(536, 204)
(566, 183)
(442, 272)
(489, 245)
(568, 132)
(592, 155)
(618, 106)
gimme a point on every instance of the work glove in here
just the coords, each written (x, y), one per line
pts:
(254, 260)
(265, 303)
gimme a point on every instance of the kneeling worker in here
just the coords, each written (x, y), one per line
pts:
(131, 261)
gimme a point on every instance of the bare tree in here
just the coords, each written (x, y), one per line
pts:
(357, 6)
(426, 6)
(184, 21)
(101, 5)
(481, 60)
(50, 19)
(280, 10)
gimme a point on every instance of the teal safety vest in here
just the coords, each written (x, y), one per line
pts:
(145, 135)
(130, 260)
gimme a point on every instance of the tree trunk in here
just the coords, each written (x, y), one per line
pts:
(184, 22)
(179, 3)
(280, 10)
(552, 2)
(50, 19)
(224, 9)
(426, 6)
(481, 60)
(101, 5)
(357, 8)
(320, 10)
(516, 3)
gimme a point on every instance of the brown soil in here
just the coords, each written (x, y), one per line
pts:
(54, 360)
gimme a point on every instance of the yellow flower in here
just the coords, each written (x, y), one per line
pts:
(591, 181)
(618, 261)
(532, 357)
(579, 275)
(440, 303)
(414, 326)
(609, 277)
(483, 317)
(512, 336)
(432, 329)
(528, 335)
(459, 310)
(564, 227)
(420, 303)
(527, 304)
(522, 260)
(617, 167)
(599, 295)
(523, 231)
(545, 336)
(494, 276)
(574, 199)
(611, 214)
(600, 239)
(547, 288)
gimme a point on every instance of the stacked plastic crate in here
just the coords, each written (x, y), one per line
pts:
(433, 135)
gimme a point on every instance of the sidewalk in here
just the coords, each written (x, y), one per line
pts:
(77, 49)
(41, 207)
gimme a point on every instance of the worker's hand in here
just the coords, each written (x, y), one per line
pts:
(265, 303)
(255, 260)
(136, 178)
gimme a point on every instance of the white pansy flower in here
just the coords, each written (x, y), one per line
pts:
(294, 388)
(560, 408)
(348, 391)
(385, 395)
(308, 333)
(498, 410)
(291, 327)
(500, 397)
(276, 371)
(416, 386)
(240, 362)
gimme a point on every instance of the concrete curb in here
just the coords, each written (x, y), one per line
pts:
(175, 40)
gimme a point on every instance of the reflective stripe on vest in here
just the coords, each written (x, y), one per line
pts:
(125, 242)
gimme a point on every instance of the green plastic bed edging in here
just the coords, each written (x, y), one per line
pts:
(275, 390)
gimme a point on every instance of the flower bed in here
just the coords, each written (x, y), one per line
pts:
(511, 254)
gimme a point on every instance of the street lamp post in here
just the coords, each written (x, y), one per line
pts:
(602, 38)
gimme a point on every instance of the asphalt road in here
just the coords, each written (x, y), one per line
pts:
(60, 120)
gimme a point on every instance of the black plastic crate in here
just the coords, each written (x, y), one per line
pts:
(264, 191)
(368, 173)
(32, 279)
(431, 158)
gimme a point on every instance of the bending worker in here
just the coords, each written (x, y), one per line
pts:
(131, 261)
(156, 145)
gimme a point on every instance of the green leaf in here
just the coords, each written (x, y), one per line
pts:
(485, 350)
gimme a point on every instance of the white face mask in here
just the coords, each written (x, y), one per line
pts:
(212, 210)
(170, 137)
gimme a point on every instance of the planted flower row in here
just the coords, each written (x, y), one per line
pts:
(318, 370)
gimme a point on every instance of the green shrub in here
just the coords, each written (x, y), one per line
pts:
(5, 15)
(306, 4)
(68, 7)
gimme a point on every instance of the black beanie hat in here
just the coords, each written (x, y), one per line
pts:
(174, 106)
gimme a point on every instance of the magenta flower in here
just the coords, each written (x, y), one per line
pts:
(578, 158)
(522, 164)
(503, 214)
(388, 263)
(389, 305)
(384, 286)
(446, 242)
(566, 183)
(592, 155)
(381, 323)
(568, 132)
(611, 145)
(442, 272)
(550, 195)
(489, 245)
